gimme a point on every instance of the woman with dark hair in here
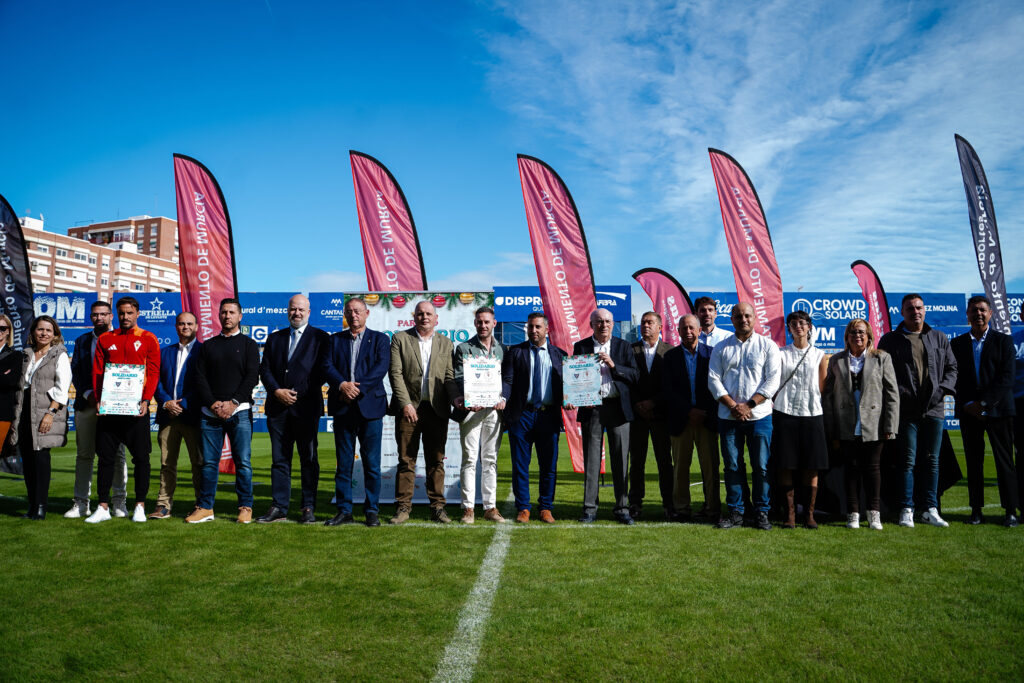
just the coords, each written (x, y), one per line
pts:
(10, 375)
(40, 410)
(862, 408)
(798, 428)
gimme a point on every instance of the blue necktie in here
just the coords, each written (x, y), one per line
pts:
(538, 388)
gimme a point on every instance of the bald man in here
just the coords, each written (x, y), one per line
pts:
(292, 373)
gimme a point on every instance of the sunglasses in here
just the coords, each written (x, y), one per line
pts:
(4, 328)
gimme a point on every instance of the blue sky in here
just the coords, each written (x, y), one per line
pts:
(843, 114)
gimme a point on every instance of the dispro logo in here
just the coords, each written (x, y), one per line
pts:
(517, 301)
(831, 309)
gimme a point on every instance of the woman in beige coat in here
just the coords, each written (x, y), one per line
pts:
(862, 405)
(41, 409)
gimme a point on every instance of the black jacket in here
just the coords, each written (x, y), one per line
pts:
(303, 373)
(941, 370)
(624, 374)
(10, 376)
(994, 389)
(227, 369)
(515, 378)
(675, 390)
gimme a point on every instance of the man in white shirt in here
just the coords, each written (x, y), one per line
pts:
(743, 375)
(707, 313)
(177, 416)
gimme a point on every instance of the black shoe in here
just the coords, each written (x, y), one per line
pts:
(274, 514)
(339, 519)
(372, 519)
(975, 518)
(762, 522)
(35, 513)
(750, 521)
(587, 519)
(681, 518)
(307, 516)
(734, 519)
(1009, 521)
(624, 518)
(635, 511)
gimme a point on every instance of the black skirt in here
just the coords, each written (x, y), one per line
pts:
(798, 443)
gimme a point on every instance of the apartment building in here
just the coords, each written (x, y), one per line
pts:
(152, 235)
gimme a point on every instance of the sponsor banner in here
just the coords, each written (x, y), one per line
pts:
(669, 299)
(327, 310)
(985, 234)
(941, 309)
(877, 313)
(391, 248)
(514, 304)
(754, 267)
(265, 312)
(17, 276)
(69, 310)
(564, 271)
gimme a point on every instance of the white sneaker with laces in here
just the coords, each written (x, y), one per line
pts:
(874, 520)
(102, 514)
(77, 510)
(119, 509)
(853, 520)
(140, 513)
(907, 517)
(931, 516)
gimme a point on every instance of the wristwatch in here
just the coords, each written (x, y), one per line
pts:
(53, 411)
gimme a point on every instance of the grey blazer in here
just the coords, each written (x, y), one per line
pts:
(879, 399)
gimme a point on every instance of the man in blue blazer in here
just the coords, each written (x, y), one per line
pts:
(177, 415)
(618, 374)
(101, 315)
(531, 383)
(292, 374)
(356, 362)
(986, 361)
(691, 413)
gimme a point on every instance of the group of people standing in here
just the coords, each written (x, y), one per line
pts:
(734, 397)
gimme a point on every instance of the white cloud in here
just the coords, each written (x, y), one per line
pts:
(333, 281)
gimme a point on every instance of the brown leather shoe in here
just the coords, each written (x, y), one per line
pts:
(468, 516)
(523, 517)
(492, 515)
(546, 517)
(244, 515)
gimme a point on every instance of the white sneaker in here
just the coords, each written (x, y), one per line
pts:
(77, 510)
(853, 520)
(931, 516)
(119, 509)
(874, 520)
(907, 517)
(140, 513)
(102, 514)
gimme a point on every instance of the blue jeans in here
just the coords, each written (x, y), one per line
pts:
(921, 439)
(757, 434)
(539, 430)
(347, 428)
(238, 429)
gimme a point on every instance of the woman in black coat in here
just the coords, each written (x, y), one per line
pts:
(10, 374)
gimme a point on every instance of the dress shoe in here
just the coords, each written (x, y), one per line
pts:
(680, 517)
(161, 512)
(764, 525)
(1009, 521)
(307, 516)
(468, 516)
(624, 518)
(732, 520)
(635, 511)
(523, 517)
(372, 519)
(975, 518)
(492, 515)
(401, 515)
(547, 517)
(341, 518)
(38, 514)
(274, 514)
(587, 519)
(440, 516)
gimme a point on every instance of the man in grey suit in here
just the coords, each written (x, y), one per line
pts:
(649, 418)
(422, 391)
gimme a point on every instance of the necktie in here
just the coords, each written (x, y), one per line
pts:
(293, 343)
(538, 389)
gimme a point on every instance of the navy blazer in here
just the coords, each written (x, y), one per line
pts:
(998, 367)
(515, 378)
(371, 369)
(303, 373)
(186, 386)
(624, 374)
(81, 369)
(675, 390)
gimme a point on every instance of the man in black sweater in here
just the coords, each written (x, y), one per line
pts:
(227, 370)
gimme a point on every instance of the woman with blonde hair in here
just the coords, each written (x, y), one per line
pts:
(862, 408)
(10, 375)
(41, 408)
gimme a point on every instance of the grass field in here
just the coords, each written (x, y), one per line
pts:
(165, 600)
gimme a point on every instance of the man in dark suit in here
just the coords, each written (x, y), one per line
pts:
(985, 360)
(531, 384)
(1018, 398)
(177, 415)
(102, 316)
(692, 415)
(291, 371)
(355, 365)
(649, 418)
(618, 374)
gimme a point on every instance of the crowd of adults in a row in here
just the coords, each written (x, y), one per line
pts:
(734, 398)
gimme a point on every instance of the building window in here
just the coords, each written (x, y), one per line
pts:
(79, 256)
(140, 288)
(92, 279)
(33, 265)
(62, 252)
(152, 226)
(106, 261)
(60, 272)
(152, 243)
(43, 248)
(104, 281)
(92, 260)
(140, 269)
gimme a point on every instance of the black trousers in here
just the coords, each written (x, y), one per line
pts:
(35, 464)
(661, 441)
(1000, 436)
(133, 432)
(862, 462)
(287, 434)
(1018, 441)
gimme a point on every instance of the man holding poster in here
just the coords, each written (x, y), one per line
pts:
(478, 411)
(612, 415)
(126, 370)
